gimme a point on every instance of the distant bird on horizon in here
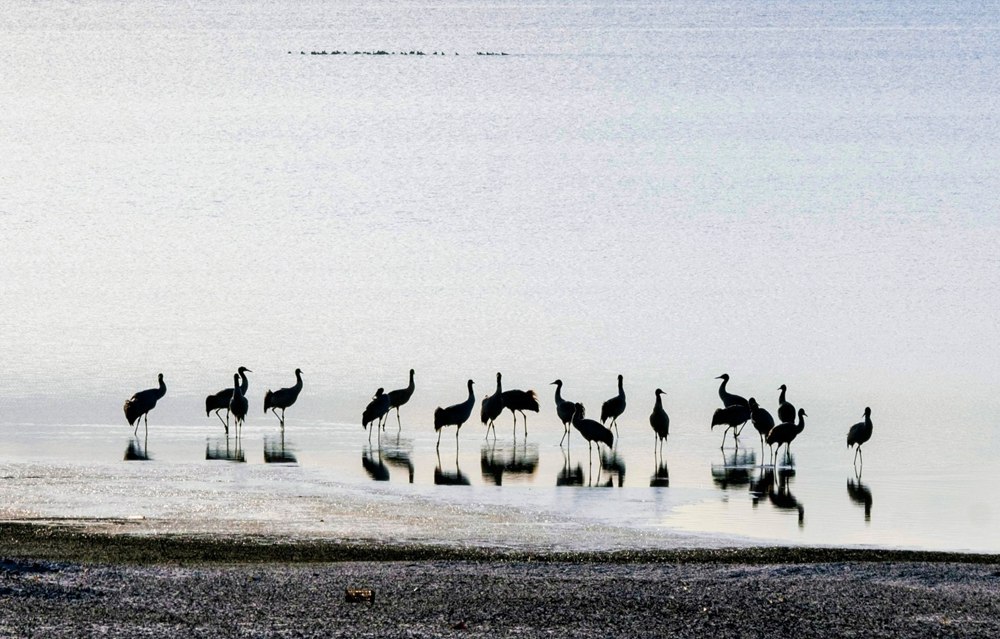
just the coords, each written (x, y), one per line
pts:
(283, 398)
(614, 407)
(520, 401)
(729, 399)
(139, 405)
(564, 409)
(732, 417)
(592, 431)
(377, 409)
(784, 433)
(786, 411)
(491, 408)
(659, 420)
(762, 423)
(238, 404)
(399, 397)
(455, 415)
(859, 434)
(221, 400)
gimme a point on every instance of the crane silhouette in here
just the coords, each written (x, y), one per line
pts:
(520, 401)
(762, 423)
(731, 417)
(564, 409)
(139, 405)
(592, 431)
(614, 407)
(492, 407)
(784, 433)
(377, 409)
(786, 411)
(455, 415)
(283, 398)
(220, 401)
(859, 434)
(659, 420)
(399, 397)
(238, 404)
(728, 399)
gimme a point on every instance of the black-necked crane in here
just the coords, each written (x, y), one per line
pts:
(564, 409)
(728, 399)
(592, 431)
(784, 433)
(492, 407)
(614, 407)
(455, 415)
(283, 398)
(139, 405)
(762, 423)
(399, 397)
(786, 411)
(859, 434)
(376, 410)
(238, 404)
(731, 417)
(659, 420)
(520, 401)
(220, 401)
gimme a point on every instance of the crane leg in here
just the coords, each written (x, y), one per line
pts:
(524, 419)
(398, 423)
(565, 431)
(224, 424)
(439, 443)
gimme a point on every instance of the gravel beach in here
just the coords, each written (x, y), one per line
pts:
(63, 583)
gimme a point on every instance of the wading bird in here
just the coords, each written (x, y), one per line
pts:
(283, 398)
(142, 402)
(375, 411)
(730, 417)
(455, 415)
(520, 401)
(859, 434)
(784, 433)
(659, 420)
(786, 411)
(728, 399)
(220, 401)
(238, 404)
(491, 408)
(564, 409)
(592, 431)
(614, 407)
(762, 423)
(399, 397)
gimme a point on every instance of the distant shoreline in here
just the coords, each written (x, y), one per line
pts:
(73, 542)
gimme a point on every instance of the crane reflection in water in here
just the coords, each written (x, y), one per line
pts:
(517, 460)
(860, 494)
(444, 477)
(277, 451)
(775, 485)
(138, 450)
(224, 449)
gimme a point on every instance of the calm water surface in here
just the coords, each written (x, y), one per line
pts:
(788, 192)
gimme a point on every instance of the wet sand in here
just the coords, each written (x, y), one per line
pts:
(63, 581)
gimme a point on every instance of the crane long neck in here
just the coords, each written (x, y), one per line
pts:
(499, 388)
(244, 383)
(781, 398)
(621, 387)
(559, 399)
(298, 381)
(237, 389)
(163, 388)
(659, 402)
(472, 397)
(802, 423)
(410, 386)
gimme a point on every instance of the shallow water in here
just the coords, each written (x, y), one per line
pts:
(788, 192)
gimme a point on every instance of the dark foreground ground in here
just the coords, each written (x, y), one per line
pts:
(59, 583)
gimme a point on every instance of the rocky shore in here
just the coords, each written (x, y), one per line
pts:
(63, 582)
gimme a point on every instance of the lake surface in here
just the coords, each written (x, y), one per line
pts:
(790, 193)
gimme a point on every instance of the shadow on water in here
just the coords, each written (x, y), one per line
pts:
(517, 460)
(614, 465)
(860, 494)
(450, 478)
(137, 450)
(661, 476)
(224, 449)
(569, 476)
(371, 460)
(735, 470)
(276, 451)
(775, 485)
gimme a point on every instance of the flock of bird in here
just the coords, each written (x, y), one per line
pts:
(736, 411)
